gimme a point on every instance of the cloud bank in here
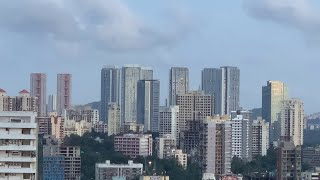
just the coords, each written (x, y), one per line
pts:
(298, 14)
(107, 24)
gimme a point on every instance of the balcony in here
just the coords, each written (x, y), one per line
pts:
(17, 159)
(18, 136)
(17, 170)
(12, 147)
(18, 125)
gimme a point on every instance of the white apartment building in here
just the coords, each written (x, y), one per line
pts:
(241, 132)
(76, 127)
(134, 145)
(181, 157)
(18, 145)
(168, 121)
(292, 120)
(105, 171)
(166, 146)
(260, 137)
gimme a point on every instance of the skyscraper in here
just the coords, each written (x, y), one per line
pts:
(272, 97)
(63, 92)
(292, 121)
(52, 103)
(38, 83)
(130, 75)
(148, 103)
(110, 89)
(178, 83)
(224, 84)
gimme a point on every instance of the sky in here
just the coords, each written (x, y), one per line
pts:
(266, 39)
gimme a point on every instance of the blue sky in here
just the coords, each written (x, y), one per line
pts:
(266, 39)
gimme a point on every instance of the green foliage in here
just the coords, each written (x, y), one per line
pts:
(257, 167)
(97, 148)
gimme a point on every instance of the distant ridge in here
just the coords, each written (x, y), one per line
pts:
(92, 105)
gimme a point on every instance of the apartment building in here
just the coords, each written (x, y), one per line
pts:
(259, 137)
(215, 145)
(288, 160)
(18, 145)
(133, 145)
(241, 135)
(181, 157)
(76, 127)
(23, 102)
(165, 146)
(168, 121)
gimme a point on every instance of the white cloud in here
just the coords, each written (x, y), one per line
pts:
(298, 14)
(106, 24)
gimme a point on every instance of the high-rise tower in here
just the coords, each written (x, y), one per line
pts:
(130, 75)
(178, 83)
(148, 104)
(224, 84)
(110, 89)
(273, 94)
(63, 92)
(38, 83)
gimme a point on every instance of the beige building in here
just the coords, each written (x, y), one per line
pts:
(76, 127)
(292, 120)
(165, 146)
(57, 126)
(272, 96)
(168, 121)
(133, 145)
(22, 102)
(260, 137)
(215, 145)
(114, 119)
(181, 157)
(194, 105)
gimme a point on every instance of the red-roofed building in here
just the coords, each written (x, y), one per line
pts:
(24, 92)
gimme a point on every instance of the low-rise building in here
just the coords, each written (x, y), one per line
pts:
(76, 127)
(181, 157)
(101, 127)
(106, 171)
(165, 146)
(310, 175)
(154, 178)
(311, 156)
(133, 145)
